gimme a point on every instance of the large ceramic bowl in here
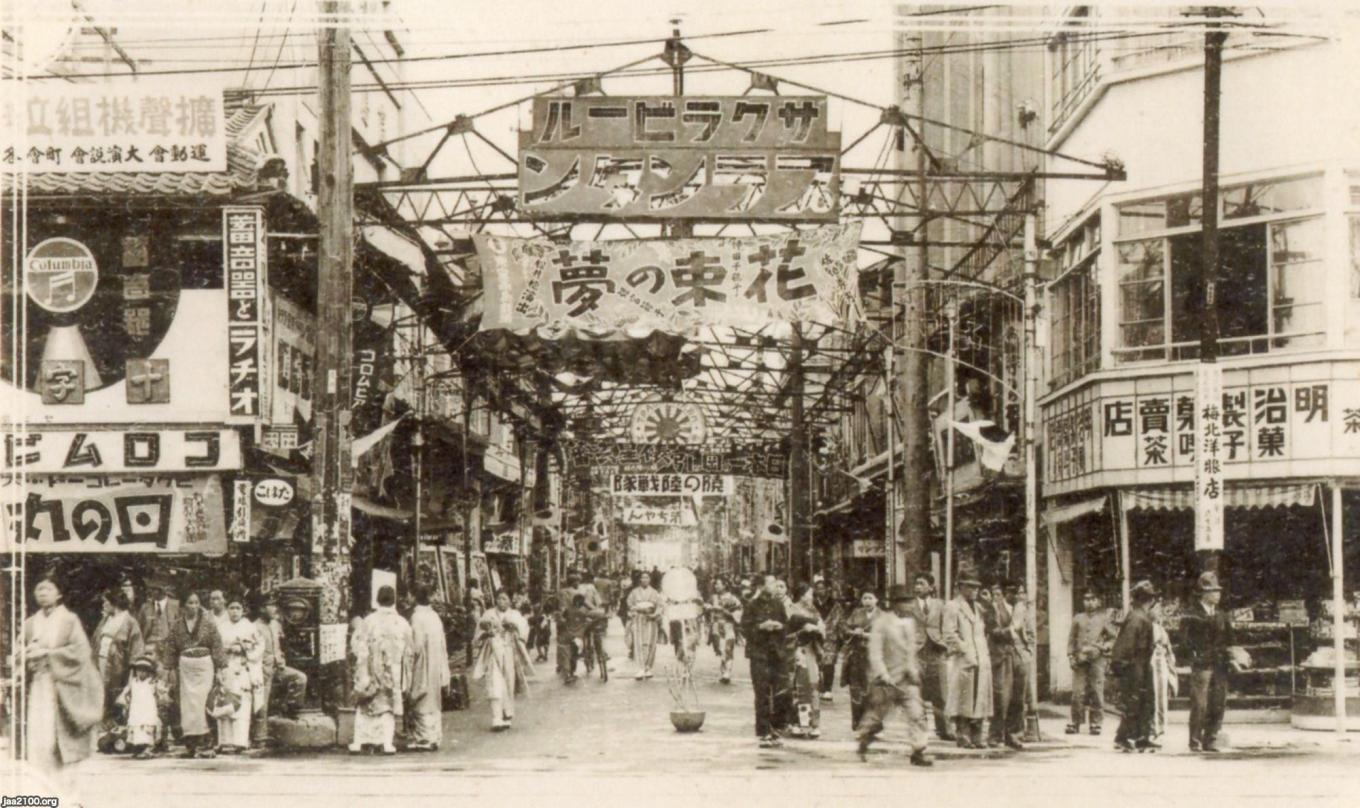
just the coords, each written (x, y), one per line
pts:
(687, 721)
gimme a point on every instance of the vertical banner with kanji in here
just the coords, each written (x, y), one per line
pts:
(244, 265)
(1209, 492)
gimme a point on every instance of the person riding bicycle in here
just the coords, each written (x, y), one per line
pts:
(576, 627)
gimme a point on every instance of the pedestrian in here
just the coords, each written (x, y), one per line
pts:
(196, 655)
(855, 653)
(829, 609)
(807, 631)
(565, 596)
(1132, 665)
(1022, 651)
(429, 673)
(241, 679)
(476, 598)
(1164, 680)
(155, 617)
(1208, 636)
(895, 678)
(931, 654)
(269, 664)
(644, 626)
(502, 660)
(117, 641)
(576, 629)
(540, 629)
(1008, 672)
(65, 694)
(763, 623)
(968, 697)
(724, 612)
(382, 674)
(140, 700)
(217, 607)
(1087, 644)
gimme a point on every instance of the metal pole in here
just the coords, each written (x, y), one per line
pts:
(1338, 611)
(418, 439)
(1031, 403)
(890, 541)
(950, 314)
(1208, 345)
(1125, 563)
(469, 504)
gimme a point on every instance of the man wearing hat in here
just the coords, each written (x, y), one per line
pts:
(1132, 659)
(1208, 635)
(968, 695)
(894, 678)
(1087, 644)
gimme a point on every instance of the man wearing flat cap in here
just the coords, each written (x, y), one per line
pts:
(1208, 635)
(1132, 660)
(968, 694)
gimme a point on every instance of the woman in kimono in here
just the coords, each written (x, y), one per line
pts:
(241, 677)
(807, 632)
(383, 658)
(117, 641)
(855, 651)
(1164, 682)
(196, 654)
(65, 691)
(502, 659)
(645, 606)
(724, 613)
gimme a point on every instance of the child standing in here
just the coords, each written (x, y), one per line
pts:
(140, 700)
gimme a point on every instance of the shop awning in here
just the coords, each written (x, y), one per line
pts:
(1250, 496)
(397, 247)
(1052, 517)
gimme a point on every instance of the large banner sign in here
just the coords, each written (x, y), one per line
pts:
(110, 450)
(671, 286)
(677, 515)
(244, 259)
(101, 514)
(736, 157)
(151, 125)
(671, 485)
(749, 460)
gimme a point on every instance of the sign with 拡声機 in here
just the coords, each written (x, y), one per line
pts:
(657, 157)
(671, 286)
(143, 125)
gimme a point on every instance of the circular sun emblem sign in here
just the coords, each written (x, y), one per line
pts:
(60, 275)
(668, 423)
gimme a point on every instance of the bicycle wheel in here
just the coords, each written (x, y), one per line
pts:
(600, 656)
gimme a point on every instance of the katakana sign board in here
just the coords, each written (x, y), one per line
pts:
(1272, 422)
(245, 267)
(672, 286)
(747, 460)
(113, 514)
(117, 450)
(1208, 454)
(143, 125)
(675, 515)
(661, 157)
(671, 485)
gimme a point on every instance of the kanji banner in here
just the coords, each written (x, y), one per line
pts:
(244, 261)
(144, 125)
(664, 158)
(671, 485)
(676, 515)
(671, 286)
(1208, 457)
(745, 460)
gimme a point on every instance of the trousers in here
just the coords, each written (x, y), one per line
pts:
(933, 677)
(1208, 700)
(773, 700)
(1138, 709)
(1009, 688)
(883, 698)
(1088, 692)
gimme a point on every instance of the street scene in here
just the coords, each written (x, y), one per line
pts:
(704, 403)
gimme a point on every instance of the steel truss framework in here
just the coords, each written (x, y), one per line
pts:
(745, 378)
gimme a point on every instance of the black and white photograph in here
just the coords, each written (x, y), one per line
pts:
(700, 403)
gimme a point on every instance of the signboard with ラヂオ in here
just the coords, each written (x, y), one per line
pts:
(244, 263)
(657, 157)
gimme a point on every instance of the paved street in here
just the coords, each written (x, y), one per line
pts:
(597, 744)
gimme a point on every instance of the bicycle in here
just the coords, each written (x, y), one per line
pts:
(594, 649)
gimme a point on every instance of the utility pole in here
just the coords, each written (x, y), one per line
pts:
(1210, 546)
(915, 378)
(1030, 432)
(800, 546)
(332, 472)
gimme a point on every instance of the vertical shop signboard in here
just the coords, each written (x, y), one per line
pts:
(244, 266)
(1209, 492)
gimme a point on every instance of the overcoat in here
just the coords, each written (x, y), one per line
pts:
(968, 691)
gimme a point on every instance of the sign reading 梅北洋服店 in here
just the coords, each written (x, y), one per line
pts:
(147, 125)
(746, 460)
(671, 485)
(670, 286)
(1208, 451)
(1272, 422)
(131, 513)
(244, 264)
(71, 451)
(654, 157)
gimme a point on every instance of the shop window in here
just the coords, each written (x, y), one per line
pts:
(1075, 325)
(1142, 296)
(1272, 197)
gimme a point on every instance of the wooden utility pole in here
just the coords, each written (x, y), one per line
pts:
(1208, 338)
(915, 378)
(332, 471)
(800, 539)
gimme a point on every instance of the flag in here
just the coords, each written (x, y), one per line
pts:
(994, 444)
(361, 446)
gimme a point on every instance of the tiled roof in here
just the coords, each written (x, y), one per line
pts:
(239, 176)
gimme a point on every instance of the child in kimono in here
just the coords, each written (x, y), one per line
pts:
(140, 700)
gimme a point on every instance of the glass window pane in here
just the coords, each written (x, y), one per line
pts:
(1187, 209)
(1141, 334)
(1276, 196)
(1141, 260)
(1300, 319)
(1142, 217)
(1242, 298)
(1296, 241)
(1299, 283)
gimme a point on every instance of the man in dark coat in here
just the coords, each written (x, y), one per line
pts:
(762, 623)
(1132, 658)
(1208, 635)
(928, 611)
